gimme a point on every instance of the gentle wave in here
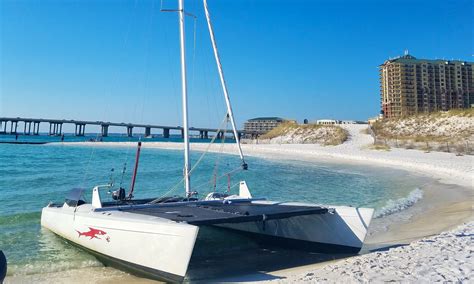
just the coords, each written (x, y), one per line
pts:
(50, 266)
(20, 218)
(394, 206)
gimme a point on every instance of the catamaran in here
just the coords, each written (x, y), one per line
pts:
(155, 237)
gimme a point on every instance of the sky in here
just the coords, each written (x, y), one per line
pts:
(119, 60)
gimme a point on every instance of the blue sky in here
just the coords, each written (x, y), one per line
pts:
(119, 61)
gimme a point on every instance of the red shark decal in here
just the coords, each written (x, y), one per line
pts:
(92, 233)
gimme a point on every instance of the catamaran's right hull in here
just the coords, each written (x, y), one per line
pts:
(341, 231)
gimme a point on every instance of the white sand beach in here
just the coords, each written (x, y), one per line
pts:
(446, 257)
(420, 252)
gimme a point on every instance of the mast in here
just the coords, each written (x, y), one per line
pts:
(187, 166)
(224, 85)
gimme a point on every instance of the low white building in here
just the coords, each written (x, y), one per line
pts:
(328, 121)
(336, 121)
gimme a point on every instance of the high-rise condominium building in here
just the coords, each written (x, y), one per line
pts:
(409, 85)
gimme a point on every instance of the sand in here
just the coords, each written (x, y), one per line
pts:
(410, 250)
(446, 257)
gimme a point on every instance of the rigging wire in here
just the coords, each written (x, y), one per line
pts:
(231, 172)
(147, 88)
(146, 75)
(219, 156)
(109, 93)
(194, 53)
(204, 153)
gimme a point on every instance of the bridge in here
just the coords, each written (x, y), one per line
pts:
(9, 125)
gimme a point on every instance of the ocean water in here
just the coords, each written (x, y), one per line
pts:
(33, 175)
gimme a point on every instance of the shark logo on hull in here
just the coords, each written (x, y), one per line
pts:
(92, 233)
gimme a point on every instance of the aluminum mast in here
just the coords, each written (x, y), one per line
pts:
(224, 85)
(187, 166)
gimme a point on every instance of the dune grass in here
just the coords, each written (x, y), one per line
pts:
(340, 136)
(386, 128)
(380, 147)
(444, 130)
(281, 130)
(310, 133)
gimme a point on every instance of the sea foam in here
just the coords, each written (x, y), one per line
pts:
(394, 206)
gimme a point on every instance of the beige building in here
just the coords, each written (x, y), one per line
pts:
(262, 125)
(409, 85)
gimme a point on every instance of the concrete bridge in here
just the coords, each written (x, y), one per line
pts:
(9, 125)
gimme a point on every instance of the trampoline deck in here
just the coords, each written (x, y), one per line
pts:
(220, 213)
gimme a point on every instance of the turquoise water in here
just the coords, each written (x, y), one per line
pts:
(33, 175)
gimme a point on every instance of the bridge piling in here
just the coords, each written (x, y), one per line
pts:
(27, 128)
(147, 132)
(36, 128)
(4, 129)
(130, 131)
(104, 130)
(13, 127)
(55, 128)
(80, 129)
(166, 133)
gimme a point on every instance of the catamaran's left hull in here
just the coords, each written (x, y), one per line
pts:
(149, 246)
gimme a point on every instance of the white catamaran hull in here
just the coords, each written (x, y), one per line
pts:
(343, 230)
(150, 246)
